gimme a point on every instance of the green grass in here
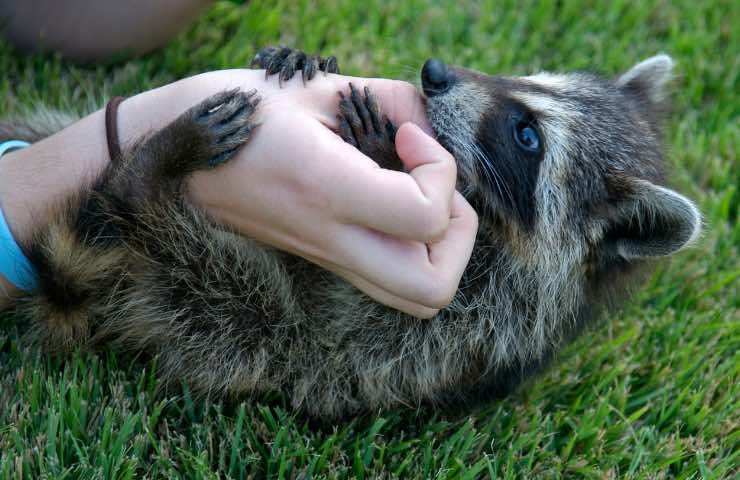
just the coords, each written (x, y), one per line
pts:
(653, 393)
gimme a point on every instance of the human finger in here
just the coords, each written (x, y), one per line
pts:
(401, 266)
(378, 293)
(400, 101)
(424, 274)
(451, 252)
(414, 205)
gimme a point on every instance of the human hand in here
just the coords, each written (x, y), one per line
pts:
(402, 238)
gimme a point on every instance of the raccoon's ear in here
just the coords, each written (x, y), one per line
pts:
(649, 79)
(650, 221)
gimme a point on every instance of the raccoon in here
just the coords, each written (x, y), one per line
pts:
(565, 171)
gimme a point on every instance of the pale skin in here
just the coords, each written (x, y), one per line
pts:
(402, 238)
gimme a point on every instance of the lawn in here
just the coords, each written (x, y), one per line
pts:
(652, 393)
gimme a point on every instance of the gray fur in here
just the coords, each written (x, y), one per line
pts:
(233, 317)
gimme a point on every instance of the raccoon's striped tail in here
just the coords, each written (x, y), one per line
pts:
(75, 266)
(81, 258)
(57, 309)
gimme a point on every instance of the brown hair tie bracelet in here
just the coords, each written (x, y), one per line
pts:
(111, 128)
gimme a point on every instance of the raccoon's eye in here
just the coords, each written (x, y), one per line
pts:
(526, 135)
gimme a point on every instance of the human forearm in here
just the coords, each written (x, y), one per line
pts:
(296, 185)
(34, 179)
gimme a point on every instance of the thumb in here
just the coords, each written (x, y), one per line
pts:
(416, 147)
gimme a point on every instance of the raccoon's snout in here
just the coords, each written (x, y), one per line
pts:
(436, 78)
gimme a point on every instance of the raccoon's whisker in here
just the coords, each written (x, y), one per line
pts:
(129, 261)
(489, 168)
(409, 71)
(491, 171)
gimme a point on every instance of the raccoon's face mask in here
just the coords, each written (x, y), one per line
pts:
(575, 157)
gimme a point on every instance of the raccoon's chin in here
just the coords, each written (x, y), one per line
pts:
(437, 123)
(442, 138)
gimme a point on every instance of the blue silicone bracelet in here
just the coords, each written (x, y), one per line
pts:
(14, 266)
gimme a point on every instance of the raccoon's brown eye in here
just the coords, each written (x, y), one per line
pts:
(526, 135)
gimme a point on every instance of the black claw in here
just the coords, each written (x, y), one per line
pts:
(277, 61)
(213, 105)
(293, 62)
(216, 128)
(222, 157)
(354, 123)
(252, 97)
(310, 67)
(359, 109)
(298, 60)
(226, 118)
(304, 77)
(232, 127)
(362, 125)
(286, 74)
(345, 131)
(256, 60)
(232, 111)
(264, 57)
(286, 62)
(372, 107)
(331, 65)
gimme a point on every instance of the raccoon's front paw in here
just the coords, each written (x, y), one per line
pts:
(362, 125)
(225, 123)
(286, 61)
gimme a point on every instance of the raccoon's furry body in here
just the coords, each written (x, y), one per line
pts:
(129, 262)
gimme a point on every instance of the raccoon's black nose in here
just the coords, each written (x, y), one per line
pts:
(436, 78)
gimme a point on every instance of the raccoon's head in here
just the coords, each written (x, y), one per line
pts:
(564, 162)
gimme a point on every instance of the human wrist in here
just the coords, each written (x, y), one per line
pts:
(37, 178)
(33, 179)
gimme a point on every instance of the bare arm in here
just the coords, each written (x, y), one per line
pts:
(296, 185)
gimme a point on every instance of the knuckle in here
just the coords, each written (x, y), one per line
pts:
(467, 214)
(473, 216)
(435, 223)
(448, 161)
